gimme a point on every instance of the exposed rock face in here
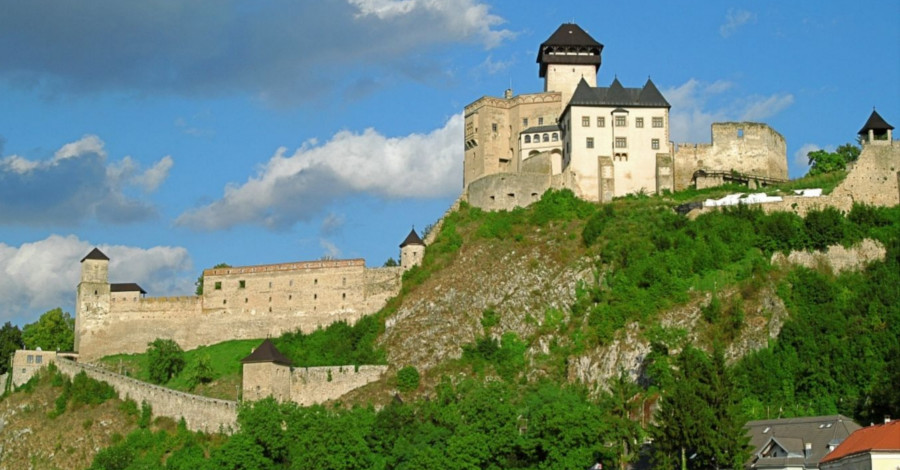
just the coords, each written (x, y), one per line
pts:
(836, 258)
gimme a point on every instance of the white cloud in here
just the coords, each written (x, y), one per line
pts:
(75, 184)
(38, 276)
(801, 160)
(696, 105)
(290, 188)
(331, 250)
(734, 19)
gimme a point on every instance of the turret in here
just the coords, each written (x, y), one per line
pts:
(411, 250)
(567, 57)
(876, 130)
(92, 296)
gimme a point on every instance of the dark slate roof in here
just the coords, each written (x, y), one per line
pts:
(550, 128)
(569, 37)
(875, 123)
(617, 95)
(266, 352)
(126, 287)
(95, 254)
(412, 239)
(793, 434)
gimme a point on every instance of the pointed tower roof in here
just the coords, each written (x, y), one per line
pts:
(584, 94)
(616, 93)
(412, 239)
(95, 254)
(875, 123)
(650, 96)
(266, 352)
(569, 38)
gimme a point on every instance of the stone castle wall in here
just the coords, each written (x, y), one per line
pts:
(745, 147)
(237, 303)
(506, 191)
(311, 385)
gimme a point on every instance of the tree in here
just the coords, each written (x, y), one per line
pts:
(390, 263)
(165, 360)
(622, 402)
(200, 372)
(54, 331)
(822, 161)
(199, 282)
(408, 379)
(10, 340)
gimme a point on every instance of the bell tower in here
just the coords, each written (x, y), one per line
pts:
(92, 296)
(566, 57)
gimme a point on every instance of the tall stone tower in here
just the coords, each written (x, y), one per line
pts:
(92, 297)
(411, 250)
(567, 57)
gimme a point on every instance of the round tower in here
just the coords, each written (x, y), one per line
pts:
(92, 296)
(411, 250)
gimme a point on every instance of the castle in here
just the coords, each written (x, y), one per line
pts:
(600, 142)
(236, 303)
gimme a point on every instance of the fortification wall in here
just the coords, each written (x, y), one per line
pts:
(745, 147)
(319, 384)
(873, 179)
(27, 362)
(506, 191)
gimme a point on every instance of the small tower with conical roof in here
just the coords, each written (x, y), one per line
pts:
(266, 373)
(566, 57)
(411, 250)
(92, 295)
(876, 130)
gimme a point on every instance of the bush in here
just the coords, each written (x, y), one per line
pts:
(408, 379)
(165, 360)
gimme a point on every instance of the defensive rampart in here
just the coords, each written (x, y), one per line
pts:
(319, 384)
(506, 191)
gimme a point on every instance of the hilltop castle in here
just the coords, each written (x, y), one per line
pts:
(236, 303)
(600, 142)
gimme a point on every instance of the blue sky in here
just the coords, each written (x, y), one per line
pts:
(178, 135)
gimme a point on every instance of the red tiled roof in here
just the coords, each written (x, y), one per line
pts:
(873, 438)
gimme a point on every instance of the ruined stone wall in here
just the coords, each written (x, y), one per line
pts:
(745, 147)
(27, 362)
(199, 413)
(319, 384)
(873, 178)
(506, 191)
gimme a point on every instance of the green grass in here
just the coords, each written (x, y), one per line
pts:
(826, 181)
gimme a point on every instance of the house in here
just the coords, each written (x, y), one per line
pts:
(872, 448)
(796, 443)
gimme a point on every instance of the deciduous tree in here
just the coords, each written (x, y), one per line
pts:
(54, 331)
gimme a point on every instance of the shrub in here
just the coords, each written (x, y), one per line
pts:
(165, 360)
(408, 379)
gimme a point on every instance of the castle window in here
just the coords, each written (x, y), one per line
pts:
(621, 142)
(38, 359)
(524, 122)
(620, 121)
(601, 121)
(246, 300)
(344, 281)
(315, 296)
(224, 301)
(546, 138)
(527, 139)
(639, 122)
(270, 299)
(494, 127)
(316, 282)
(290, 297)
(540, 121)
(741, 133)
(291, 283)
(30, 359)
(242, 284)
(536, 138)
(270, 284)
(218, 285)
(585, 121)
(555, 137)
(344, 295)
(95, 292)
(654, 144)
(270, 309)
(590, 142)
(657, 122)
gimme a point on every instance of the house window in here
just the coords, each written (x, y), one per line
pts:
(546, 137)
(218, 285)
(527, 139)
(524, 122)
(621, 142)
(620, 121)
(585, 121)
(654, 144)
(657, 122)
(639, 122)
(601, 121)
(38, 359)
(30, 359)
(494, 127)
(242, 284)
(540, 121)
(555, 137)
(590, 142)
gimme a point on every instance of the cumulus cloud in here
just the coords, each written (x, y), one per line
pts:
(734, 19)
(696, 105)
(280, 53)
(801, 158)
(295, 187)
(41, 275)
(75, 184)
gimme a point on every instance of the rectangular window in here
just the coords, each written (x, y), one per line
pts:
(654, 144)
(38, 359)
(657, 122)
(540, 121)
(242, 284)
(494, 127)
(621, 143)
(524, 122)
(638, 122)
(585, 121)
(30, 359)
(620, 121)
(218, 285)
(590, 142)
(601, 121)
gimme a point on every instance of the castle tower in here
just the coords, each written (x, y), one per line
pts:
(876, 130)
(411, 250)
(92, 296)
(266, 373)
(567, 57)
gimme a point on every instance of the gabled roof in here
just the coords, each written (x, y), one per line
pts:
(875, 123)
(95, 254)
(266, 352)
(126, 287)
(569, 37)
(793, 434)
(882, 437)
(616, 95)
(412, 239)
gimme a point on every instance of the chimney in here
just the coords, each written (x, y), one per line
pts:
(807, 449)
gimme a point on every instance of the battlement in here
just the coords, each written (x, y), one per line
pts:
(296, 266)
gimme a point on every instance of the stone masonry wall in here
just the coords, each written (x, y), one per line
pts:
(506, 191)
(319, 384)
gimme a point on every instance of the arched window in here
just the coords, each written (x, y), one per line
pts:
(527, 139)
(546, 138)
(537, 137)
(555, 137)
